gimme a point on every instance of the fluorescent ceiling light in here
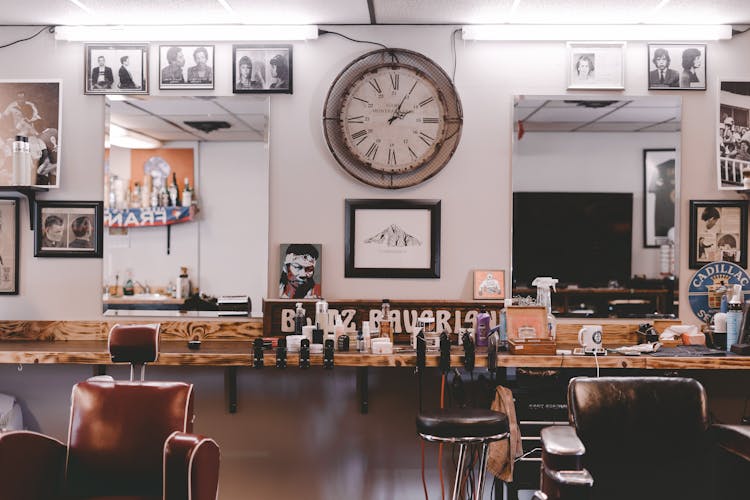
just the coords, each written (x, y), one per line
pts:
(78, 4)
(185, 33)
(125, 138)
(594, 32)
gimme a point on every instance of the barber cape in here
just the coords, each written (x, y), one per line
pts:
(10, 414)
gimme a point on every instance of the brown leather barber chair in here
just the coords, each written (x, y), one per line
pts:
(126, 440)
(642, 438)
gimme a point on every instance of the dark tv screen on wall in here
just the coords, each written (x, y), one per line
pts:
(581, 239)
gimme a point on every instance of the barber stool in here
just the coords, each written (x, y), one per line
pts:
(464, 426)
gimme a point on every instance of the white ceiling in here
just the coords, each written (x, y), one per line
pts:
(333, 12)
(163, 118)
(598, 114)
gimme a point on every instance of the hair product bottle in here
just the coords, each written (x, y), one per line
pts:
(483, 327)
(183, 284)
(18, 161)
(299, 318)
(734, 316)
(386, 328)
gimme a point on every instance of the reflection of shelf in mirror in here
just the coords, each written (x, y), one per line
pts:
(148, 217)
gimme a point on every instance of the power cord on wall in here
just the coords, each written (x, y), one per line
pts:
(326, 32)
(49, 28)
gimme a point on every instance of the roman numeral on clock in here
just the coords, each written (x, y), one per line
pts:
(358, 119)
(429, 120)
(361, 135)
(426, 138)
(426, 102)
(391, 156)
(372, 151)
(412, 153)
(361, 100)
(394, 80)
(374, 84)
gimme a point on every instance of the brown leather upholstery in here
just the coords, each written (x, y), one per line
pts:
(117, 435)
(462, 423)
(194, 457)
(645, 437)
(137, 344)
(25, 457)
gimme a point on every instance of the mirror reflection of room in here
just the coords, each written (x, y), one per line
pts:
(175, 168)
(594, 202)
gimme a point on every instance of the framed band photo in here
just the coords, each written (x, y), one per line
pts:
(596, 65)
(116, 68)
(262, 69)
(68, 229)
(9, 246)
(392, 239)
(186, 67)
(718, 232)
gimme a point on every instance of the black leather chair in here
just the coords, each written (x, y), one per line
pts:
(127, 440)
(642, 438)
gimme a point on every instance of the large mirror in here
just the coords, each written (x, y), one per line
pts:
(186, 193)
(595, 197)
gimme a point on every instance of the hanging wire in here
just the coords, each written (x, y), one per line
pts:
(49, 28)
(326, 32)
(453, 53)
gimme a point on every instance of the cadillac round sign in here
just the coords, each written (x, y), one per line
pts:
(711, 282)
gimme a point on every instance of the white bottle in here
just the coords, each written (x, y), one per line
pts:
(338, 330)
(734, 316)
(18, 162)
(187, 194)
(366, 335)
(29, 174)
(321, 315)
(183, 284)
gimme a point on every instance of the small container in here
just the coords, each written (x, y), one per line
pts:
(343, 343)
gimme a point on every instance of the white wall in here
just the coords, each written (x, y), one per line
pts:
(593, 162)
(307, 193)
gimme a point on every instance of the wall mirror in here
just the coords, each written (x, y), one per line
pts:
(217, 229)
(595, 197)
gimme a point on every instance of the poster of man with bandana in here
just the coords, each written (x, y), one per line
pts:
(300, 271)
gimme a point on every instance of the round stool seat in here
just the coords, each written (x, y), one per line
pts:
(462, 424)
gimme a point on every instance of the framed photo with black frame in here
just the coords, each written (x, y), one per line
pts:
(388, 238)
(9, 246)
(673, 66)
(262, 69)
(718, 232)
(68, 229)
(658, 196)
(175, 73)
(120, 68)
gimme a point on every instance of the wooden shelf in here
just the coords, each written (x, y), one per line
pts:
(148, 217)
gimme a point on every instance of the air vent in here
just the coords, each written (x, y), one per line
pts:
(208, 126)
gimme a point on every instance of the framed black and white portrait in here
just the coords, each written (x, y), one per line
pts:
(658, 196)
(31, 109)
(68, 229)
(599, 65)
(186, 67)
(392, 239)
(262, 69)
(116, 68)
(733, 143)
(718, 232)
(674, 66)
(9, 246)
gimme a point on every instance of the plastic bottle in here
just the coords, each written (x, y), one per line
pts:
(338, 329)
(544, 298)
(29, 170)
(366, 336)
(321, 315)
(187, 194)
(483, 327)
(734, 316)
(503, 332)
(183, 284)
(299, 318)
(386, 329)
(18, 162)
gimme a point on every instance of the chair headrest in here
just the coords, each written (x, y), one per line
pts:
(137, 344)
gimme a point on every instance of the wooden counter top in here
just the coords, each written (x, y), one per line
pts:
(239, 353)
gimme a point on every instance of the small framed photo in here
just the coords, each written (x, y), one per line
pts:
(392, 239)
(33, 109)
(262, 69)
(9, 246)
(489, 284)
(116, 68)
(599, 65)
(676, 66)
(718, 232)
(68, 229)
(733, 145)
(526, 322)
(659, 196)
(186, 67)
(301, 273)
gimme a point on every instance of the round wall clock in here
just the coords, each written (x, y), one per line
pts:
(392, 118)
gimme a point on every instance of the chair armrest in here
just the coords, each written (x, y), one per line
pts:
(191, 467)
(735, 439)
(561, 448)
(31, 465)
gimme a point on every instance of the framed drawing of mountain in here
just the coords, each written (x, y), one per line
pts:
(392, 239)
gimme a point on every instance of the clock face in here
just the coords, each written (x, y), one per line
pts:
(393, 119)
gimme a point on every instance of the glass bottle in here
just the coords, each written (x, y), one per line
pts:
(386, 328)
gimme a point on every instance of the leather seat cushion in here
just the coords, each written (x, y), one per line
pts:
(733, 438)
(462, 422)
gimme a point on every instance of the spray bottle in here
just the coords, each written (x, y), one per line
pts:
(483, 327)
(734, 316)
(543, 298)
(321, 315)
(299, 318)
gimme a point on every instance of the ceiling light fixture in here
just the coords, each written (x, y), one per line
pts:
(597, 32)
(185, 33)
(124, 138)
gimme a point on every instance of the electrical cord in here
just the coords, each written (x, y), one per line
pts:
(326, 32)
(49, 28)
(453, 54)
(596, 360)
(424, 482)
(440, 448)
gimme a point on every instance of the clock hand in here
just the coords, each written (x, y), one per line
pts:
(398, 113)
